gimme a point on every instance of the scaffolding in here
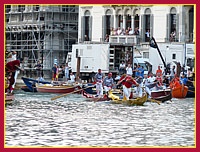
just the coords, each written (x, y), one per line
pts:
(41, 32)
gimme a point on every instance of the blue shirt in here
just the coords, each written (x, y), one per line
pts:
(183, 81)
(98, 77)
(108, 81)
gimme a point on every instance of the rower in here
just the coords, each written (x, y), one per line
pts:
(108, 83)
(127, 81)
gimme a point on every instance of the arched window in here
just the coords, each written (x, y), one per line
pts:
(147, 25)
(136, 20)
(86, 26)
(191, 24)
(128, 21)
(108, 21)
(173, 19)
(172, 25)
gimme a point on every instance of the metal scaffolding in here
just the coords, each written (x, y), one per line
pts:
(41, 32)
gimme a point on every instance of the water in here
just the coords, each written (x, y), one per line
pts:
(34, 120)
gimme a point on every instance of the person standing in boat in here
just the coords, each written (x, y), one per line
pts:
(127, 81)
(108, 82)
(66, 72)
(159, 71)
(38, 68)
(72, 78)
(98, 78)
(54, 70)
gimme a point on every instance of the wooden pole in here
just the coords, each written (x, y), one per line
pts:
(78, 67)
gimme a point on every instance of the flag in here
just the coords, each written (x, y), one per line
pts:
(152, 43)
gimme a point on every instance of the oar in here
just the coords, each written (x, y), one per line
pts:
(191, 91)
(153, 100)
(56, 97)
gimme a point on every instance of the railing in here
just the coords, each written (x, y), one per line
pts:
(133, 39)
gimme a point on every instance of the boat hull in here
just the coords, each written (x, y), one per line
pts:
(179, 92)
(90, 90)
(30, 83)
(191, 92)
(10, 97)
(162, 95)
(91, 97)
(58, 89)
(139, 101)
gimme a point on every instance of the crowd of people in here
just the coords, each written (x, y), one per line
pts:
(129, 77)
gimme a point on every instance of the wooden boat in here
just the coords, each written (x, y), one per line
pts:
(9, 98)
(161, 95)
(30, 83)
(179, 92)
(191, 89)
(91, 97)
(57, 89)
(190, 92)
(135, 101)
(90, 90)
(26, 89)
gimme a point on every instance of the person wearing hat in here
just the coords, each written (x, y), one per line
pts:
(108, 82)
(98, 78)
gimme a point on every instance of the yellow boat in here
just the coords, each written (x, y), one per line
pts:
(131, 102)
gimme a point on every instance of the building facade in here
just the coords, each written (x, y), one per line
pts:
(130, 28)
(41, 32)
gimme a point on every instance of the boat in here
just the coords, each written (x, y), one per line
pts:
(9, 97)
(49, 88)
(190, 92)
(26, 89)
(91, 97)
(30, 84)
(88, 89)
(131, 102)
(191, 89)
(179, 92)
(161, 95)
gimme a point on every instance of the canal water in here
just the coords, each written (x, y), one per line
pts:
(34, 120)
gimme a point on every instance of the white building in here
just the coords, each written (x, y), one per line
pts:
(161, 21)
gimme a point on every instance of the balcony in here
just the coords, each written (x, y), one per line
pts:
(124, 39)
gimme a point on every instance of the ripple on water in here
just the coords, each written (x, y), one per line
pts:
(33, 119)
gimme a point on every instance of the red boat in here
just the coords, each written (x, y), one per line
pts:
(9, 98)
(179, 92)
(162, 95)
(58, 89)
(90, 97)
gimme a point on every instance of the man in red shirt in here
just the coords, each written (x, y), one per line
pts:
(159, 71)
(127, 81)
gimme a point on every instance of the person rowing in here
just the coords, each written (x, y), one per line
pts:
(108, 83)
(99, 80)
(127, 81)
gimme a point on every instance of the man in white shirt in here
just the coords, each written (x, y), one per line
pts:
(122, 68)
(129, 70)
(72, 78)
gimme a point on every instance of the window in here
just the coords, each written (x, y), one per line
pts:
(145, 54)
(120, 21)
(136, 20)
(8, 8)
(108, 17)
(21, 8)
(65, 8)
(173, 56)
(36, 7)
(128, 21)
